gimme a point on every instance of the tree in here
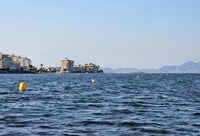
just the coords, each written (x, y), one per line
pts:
(31, 66)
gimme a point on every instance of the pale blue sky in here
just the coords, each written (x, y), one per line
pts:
(110, 33)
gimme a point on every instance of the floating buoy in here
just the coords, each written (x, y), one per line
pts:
(22, 87)
(93, 80)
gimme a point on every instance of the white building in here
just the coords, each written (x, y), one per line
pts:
(86, 68)
(91, 68)
(66, 66)
(13, 62)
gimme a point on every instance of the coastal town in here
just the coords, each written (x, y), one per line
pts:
(10, 63)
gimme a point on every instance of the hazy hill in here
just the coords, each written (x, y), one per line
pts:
(188, 67)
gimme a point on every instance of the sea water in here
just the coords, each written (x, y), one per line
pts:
(115, 104)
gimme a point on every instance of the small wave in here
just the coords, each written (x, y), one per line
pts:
(2, 93)
(17, 125)
(68, 88)
(45, 127)
(98, 114)
(136, 104)
(132, 124)
(185, 130)
(55, 91)
(124, 111)
(155, 131)
(196, 125)
(86, 123)
(41, 133)
(95, 105)
(196, 114)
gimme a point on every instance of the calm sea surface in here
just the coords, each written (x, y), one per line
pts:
(115, 105)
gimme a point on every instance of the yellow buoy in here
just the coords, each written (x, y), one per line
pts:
(22, 87)
(93, 80)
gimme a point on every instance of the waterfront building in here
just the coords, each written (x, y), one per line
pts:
(24, 61)
(66, 66)
(10, 65)
(13, 62)
(52, 69)
(91, 68)
(79, 69)
(86, 68)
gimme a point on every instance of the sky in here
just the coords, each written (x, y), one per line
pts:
(110, 33)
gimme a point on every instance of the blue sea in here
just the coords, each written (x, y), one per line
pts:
(115, 105)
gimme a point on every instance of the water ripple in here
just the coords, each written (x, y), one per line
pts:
(116, 104)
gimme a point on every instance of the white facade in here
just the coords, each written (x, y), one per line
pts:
(24, 62)
(66, 66)
(13, 62)
(10, 65)
(91, 68)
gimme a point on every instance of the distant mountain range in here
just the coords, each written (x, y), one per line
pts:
(188, 67)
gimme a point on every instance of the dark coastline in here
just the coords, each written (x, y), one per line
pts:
(16, 72)
(8, 71)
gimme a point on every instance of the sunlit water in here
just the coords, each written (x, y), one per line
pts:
(116, 104)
